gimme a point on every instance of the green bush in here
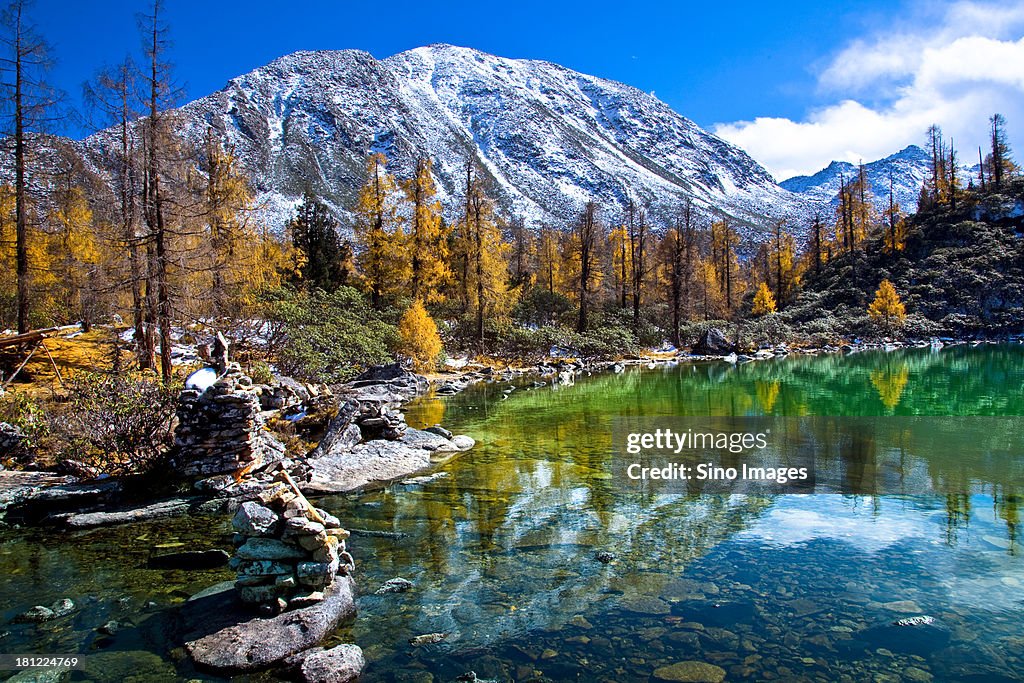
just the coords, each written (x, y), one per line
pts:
(260, 373)
(320, 337)
(540, 307)
(768, 329)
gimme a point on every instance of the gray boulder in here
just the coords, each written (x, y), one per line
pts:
(12, 441)
(374, 461)
(253, 519)
(246, 644)
(430, 441)
(341, 664)
(713, 343)
(342, 432)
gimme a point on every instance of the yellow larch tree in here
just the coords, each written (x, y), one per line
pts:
(243, 258)
(8, 269)
(622, 262)
(724, 241)
(418, 338)
(887, 307)
(712, 301)
(855, 213)
(486, 253)
(383, 256)
(764, 301)
(70, 282)
(427, 241)
(549, 260)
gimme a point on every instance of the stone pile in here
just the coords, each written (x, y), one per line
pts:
(287, 552)
(380, 420)
(220, 428)
(391, 379)
(288, 395)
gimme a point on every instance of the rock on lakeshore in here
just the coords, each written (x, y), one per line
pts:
(377, 461)
(713, 343)
(341, 664)
(253, 644)
(369, 442)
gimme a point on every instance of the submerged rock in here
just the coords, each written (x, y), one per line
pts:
(109, 629)
(915, 635)
(39, 613)
(690, 672)
(427, 639)
(646, 604)
(395, 585)
(191, 559)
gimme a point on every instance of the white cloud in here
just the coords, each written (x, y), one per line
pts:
(955, 71)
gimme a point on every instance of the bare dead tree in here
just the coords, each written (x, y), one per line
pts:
(29, 101)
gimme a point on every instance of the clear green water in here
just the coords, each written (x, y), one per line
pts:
(502, 549)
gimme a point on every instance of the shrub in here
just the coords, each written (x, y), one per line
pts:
(260, 373)
(24, 412)
(540, 307)
(117, 423)
(768, 329)
(418, 338)
(321, 337)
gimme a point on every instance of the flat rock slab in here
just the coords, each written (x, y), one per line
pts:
(166, 508)
(367, 463)
(690, 672)
(33, 494)
(379, 460)
(251, 644)
(16, 487)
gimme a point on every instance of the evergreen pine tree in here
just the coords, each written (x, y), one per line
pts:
(314, 231)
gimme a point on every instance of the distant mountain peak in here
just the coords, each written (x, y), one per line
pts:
(908, 168)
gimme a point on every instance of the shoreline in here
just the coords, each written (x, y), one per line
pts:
(45, 498)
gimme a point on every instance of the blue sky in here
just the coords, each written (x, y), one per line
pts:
(780, 81)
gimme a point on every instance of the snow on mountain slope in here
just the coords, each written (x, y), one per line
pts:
(909, 168)
(549, 139)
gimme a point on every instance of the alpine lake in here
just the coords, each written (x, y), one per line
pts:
(910, 569)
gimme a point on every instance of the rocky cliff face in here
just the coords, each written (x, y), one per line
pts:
(547, 138)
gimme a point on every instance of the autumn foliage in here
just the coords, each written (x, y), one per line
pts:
(764, 301)
(887, 307)
(418, 338)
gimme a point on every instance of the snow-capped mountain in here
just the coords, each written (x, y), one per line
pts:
(909, 167)
(548, 138)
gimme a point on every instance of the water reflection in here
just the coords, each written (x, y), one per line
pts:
(502, 550)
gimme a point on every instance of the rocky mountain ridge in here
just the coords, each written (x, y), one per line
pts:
(547, 138)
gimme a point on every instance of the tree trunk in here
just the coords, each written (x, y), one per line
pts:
(21, 210)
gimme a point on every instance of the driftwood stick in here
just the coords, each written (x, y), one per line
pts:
(286, 478)
(23, 363)
(52, 363)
